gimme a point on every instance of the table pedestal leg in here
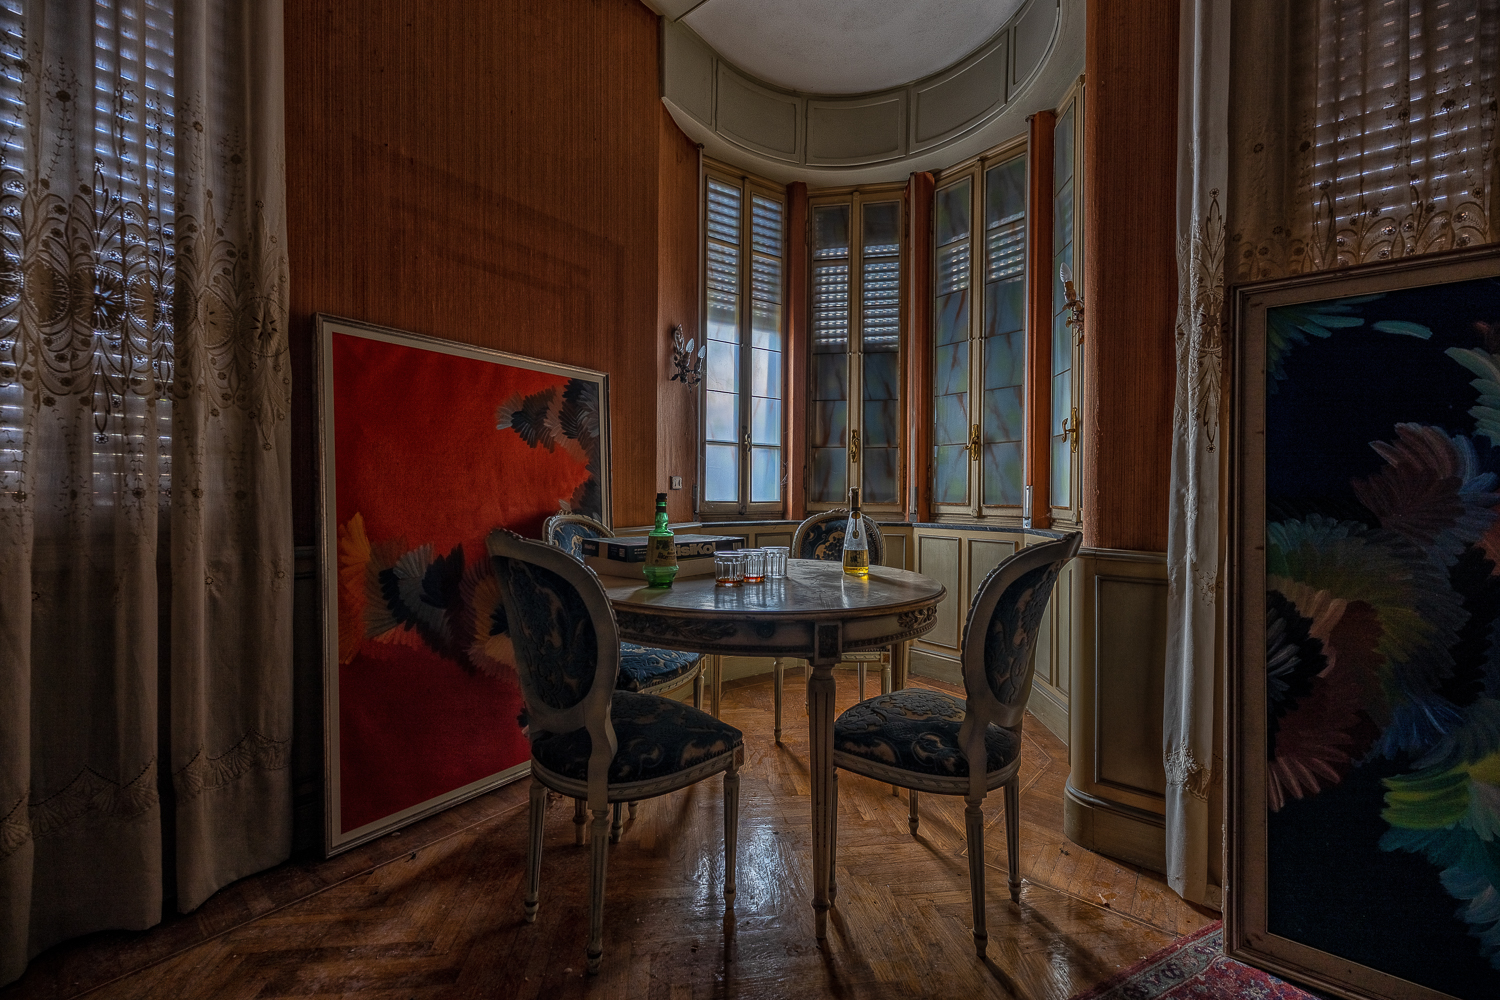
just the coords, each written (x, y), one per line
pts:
(820, 691)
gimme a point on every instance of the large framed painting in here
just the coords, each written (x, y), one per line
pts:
(1365, 679)
(425, 445)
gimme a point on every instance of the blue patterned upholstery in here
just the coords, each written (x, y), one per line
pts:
(568, 534)
(917, 730)
(822, 537)
(1013, 630)
(657, 737)
(551, 630)
(643, 667)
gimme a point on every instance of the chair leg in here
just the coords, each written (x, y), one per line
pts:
(617, 826)
(599, 857)
(861, 680)
(698, 689)
(632, 810)
(580, 820)
(885, 671)
(778, 671)
(1013, 836)
(833, 841)
(731, 828)
(534, 849)
(717, 684)
(974, 820)
(912, 819)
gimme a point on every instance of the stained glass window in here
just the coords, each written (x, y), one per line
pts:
(1004, 332)
(950, 369)
(743, 383)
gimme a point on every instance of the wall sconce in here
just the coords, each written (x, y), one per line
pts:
(689, 362)
(1071, 301)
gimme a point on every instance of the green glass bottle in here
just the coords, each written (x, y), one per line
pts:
(661, 550)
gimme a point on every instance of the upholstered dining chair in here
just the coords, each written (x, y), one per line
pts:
(821, 536)
(643, 669)
(590, 740)
(928, 741)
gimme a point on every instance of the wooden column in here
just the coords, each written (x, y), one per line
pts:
(795, 356)
(1039, 294)
(1129, 270)
(919, 191)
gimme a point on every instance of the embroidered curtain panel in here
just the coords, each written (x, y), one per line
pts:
(1314, 134)
(145, 535)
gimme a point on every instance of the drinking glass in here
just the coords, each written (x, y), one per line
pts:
(776, 561)
(729, 569)
(755, 564)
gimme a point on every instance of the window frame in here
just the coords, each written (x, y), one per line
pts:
(857, 198)
(974, 170)
(743, 507)
(1070, 514)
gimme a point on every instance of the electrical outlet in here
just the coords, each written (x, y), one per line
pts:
(675, 482)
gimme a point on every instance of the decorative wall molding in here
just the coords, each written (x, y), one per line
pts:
(796, 136)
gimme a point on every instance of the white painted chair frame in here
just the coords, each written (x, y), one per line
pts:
(981, 710)
(593, 713)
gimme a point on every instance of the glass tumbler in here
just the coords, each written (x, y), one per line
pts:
(729, 569)
(755, 564)
(776, 556)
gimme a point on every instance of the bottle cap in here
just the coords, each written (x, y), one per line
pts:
(853, 497)
(661, 498)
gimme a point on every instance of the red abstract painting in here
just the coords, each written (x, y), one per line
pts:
(428, 446)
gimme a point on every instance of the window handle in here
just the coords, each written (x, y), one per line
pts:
(854, 446)
(747, 439)
(1070, 430)
(973, 446)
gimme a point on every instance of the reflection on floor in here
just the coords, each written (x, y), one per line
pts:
(435, 910)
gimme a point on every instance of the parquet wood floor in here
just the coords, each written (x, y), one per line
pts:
(435, 911)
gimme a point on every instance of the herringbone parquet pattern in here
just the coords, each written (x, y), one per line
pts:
(443, 919)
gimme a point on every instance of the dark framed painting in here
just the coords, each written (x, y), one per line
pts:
(1364, 845)
(425, 445)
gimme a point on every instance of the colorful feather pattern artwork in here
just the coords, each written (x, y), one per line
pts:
(393, 594)
(1383, 612)
(566, 418)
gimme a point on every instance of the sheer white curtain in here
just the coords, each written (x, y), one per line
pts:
(145, 537)
(1314, 134)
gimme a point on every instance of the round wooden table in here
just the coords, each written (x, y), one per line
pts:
(817, 613)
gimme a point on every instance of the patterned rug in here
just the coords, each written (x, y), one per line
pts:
(1194, 968)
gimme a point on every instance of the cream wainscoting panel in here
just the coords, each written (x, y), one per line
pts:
(1113, 801)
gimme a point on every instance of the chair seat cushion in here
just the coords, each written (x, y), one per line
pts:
(643, 667)
(657, 737)
(917, 730)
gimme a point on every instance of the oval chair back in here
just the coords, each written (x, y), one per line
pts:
(567, 532)
(821, 536)
(1000, 637)
(567, 647)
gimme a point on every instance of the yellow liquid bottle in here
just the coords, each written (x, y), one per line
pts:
(856, 544)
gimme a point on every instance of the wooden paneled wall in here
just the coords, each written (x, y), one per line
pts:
(504, 175)
(677, 280)
(1129, 271)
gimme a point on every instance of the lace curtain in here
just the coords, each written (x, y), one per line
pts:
(1314, 134)
(145, 535)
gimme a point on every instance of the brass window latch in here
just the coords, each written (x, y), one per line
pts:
(854, 446)
(973, 446)
(1070, 430)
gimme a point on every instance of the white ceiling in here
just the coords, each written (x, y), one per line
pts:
(843, 46)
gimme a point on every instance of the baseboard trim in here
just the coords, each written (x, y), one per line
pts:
(1114, 829)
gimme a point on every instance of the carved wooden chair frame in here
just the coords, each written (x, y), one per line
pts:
(592, 713)
(982, 708)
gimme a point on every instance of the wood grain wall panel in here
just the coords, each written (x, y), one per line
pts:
(677, 302)
(795, 359)
(1129, 270)
(1039, 290)
(489, 176)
